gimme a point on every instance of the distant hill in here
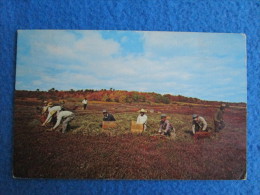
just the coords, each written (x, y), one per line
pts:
(115, 96)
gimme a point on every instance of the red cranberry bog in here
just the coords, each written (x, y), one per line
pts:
(178, 74)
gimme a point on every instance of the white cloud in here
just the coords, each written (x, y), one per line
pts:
(93, 44)
(171, 63)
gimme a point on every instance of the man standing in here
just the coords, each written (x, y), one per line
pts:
(51, 115)
(85, 103)
(165, 126)
(108, 116)
(218, 118)
(142, 119)
(198, 123)
(66, 116)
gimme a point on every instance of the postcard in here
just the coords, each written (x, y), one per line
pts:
(130, 105)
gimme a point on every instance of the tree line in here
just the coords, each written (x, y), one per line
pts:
(112, 95)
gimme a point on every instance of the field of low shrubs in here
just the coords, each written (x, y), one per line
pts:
(89, 124)
(88, 152)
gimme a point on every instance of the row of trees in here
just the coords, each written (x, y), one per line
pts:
(72, 90)
(118, 96)
(112, 95)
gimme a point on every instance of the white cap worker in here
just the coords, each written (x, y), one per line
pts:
(66, 116)
(142, 118)
(52, 110)
(165, 126)
(108, 116)
(198, 123)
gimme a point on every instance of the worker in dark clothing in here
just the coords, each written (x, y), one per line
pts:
(218, 118)
(108, 116)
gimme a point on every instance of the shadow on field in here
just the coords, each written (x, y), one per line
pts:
(188, 132)
(71, 128)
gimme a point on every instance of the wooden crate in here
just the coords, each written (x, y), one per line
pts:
(109, 124)
(202, 134)
(136, 128)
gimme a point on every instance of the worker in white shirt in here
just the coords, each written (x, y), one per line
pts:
(198, 123)
(52, 110)
(85, 103)
(66, 116)
(142, 118)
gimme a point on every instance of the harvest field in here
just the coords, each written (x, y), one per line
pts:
(85, 152)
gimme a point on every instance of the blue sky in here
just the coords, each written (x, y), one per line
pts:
(209, 66)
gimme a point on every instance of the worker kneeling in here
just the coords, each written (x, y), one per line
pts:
(66, 117)
(166, 127)
(198, 124)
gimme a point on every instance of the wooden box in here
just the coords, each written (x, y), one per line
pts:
(109, 124)
(202, 134)
(136, 128)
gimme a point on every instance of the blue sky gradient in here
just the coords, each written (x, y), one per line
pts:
(209, 66)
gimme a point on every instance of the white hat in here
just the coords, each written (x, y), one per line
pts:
(142, 110)
(50, 104)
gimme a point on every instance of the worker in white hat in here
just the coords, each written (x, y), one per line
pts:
(65, 117)
(51, 115)
(142, 118)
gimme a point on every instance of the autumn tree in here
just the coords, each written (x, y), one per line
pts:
(129, 99)
(165, 100)
(122, 98)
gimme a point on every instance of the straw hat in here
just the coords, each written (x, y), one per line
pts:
(50, 104)
(142, 110)
(104, 111)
